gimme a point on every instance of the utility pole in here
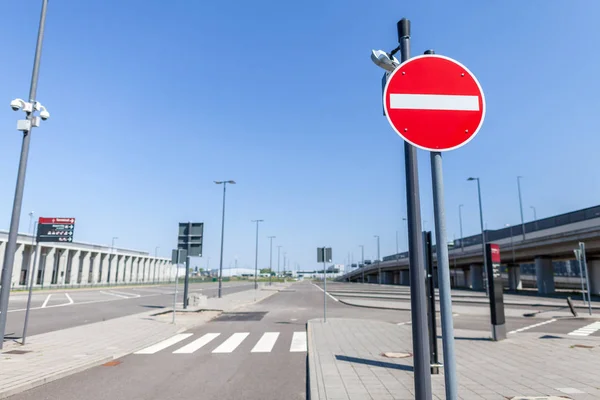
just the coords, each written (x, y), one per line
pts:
(271, 258)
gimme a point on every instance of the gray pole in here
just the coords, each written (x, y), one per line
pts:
(11, 246)
(462, 245)
(256, 256)
(422, 372)
(587, 276)
(512, 245)
(406, 222)
(186, 281)
(271, 259)
(521, 205)
(31, 274)
(278, 261)
(362, 252)
(324, 284)
(397, 248)
(378, 262)
(222, 240)
(443, 263)
(578, 257)
(482, 230)
(176, 284)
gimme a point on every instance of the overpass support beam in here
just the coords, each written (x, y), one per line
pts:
(372, 278)
(404, 277)
(514, 277)
(476, 275)
(544, 273)
(594, 272)
(396, 278)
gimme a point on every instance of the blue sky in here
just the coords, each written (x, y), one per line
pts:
(151, 101)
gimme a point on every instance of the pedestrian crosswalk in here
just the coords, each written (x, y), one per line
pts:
(228, 343)
(586, 330)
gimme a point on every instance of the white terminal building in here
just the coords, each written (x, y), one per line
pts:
(79, 264)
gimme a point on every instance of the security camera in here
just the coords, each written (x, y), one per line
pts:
(44, 114)
(384, 60)
(16, 104)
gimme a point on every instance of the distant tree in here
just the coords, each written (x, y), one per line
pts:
(265, 270)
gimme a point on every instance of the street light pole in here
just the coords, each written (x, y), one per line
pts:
(271, 258)
(256, 255)
(462, 245)
(482, 229)
(362, 253)
(224, 183)
(397, 248)
(406, 226)
(378, 260)
(521, 205)
(30, 122)
(511, 242)
(279, 261)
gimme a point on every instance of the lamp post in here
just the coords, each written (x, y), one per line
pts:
(462, 245)
(256, 255)
(406, 226)
(521, 205)
(378, 260)
(224, 183)
(482, 229)
(362, 253)
(271, 258)
(511, 242)
(279, 261)
(24, 126)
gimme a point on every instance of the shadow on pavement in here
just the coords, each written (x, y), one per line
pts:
(478, 339)
(374, 363)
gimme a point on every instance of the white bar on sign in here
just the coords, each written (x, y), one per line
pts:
(197, 344)
(434, 102)
(164, 344)
(266, 342)
(298, 342)
(232, 343)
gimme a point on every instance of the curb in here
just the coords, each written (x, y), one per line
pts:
(312, 392)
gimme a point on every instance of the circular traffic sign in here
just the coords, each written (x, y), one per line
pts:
(434, 103)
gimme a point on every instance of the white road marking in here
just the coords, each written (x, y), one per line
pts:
(232, 343)
(586, 330)
(570, 390)
(321, 289)
(298, 342)
(434, 102)
(164, 344)
(46, 301)
(403, 323)
(115, 294)
(69, 298)
(266, 342)
(131, 295)
(533, 326)
(197, 344)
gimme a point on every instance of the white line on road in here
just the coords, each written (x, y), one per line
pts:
(433, 102)
(298, 342)
(532, 326)
(115, 294)
(321, 289)
(69, 298)
(164, 344)
(232, 343)
(197, 344)
(131, 295)
(46, 301)
(266, 342)
(586, 330)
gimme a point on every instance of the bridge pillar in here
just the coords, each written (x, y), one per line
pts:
(514, 277)
(476, 275)
(396, 278)
(372, 278)
(594, 272)
(404, 277)
(544, 274)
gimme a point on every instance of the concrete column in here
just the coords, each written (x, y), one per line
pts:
(514, 277)
(61, 259)
(544, 274)
(594, 272)
(104, 264)
(17, 265)
(404, 277)
(476, 275)
(152, 270)
(372, 278)
(118, 260)
(84, 264)
(126, 268)
(72, 267)
(47, 265)
(94, 266)
(148, 270)
(396, 278)
(112, 260)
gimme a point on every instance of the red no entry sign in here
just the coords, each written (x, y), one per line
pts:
(434, 103)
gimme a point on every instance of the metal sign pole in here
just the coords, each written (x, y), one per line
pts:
(587, 276)
(176, 284)
(186, 282)
(443, 264)
(422, 372)
(324, 285)
(31, 273)
(578, 257)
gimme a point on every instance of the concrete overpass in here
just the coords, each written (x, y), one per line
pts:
(546, 241)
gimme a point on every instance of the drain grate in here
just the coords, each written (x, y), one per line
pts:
(240, 316)
(17, 352)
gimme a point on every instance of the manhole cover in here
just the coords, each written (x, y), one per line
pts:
(390, 354)
(240, 316)
(111, 363)
(17, 352)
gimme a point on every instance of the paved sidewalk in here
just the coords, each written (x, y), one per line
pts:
(54, 355)
(346, 363)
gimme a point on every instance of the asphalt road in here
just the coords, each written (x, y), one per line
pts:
(60, 309)
(259, 355)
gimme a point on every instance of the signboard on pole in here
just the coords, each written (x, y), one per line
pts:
(495, 289)
(55, 229)
(434, 103)
(324, 254)
(190, 233)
